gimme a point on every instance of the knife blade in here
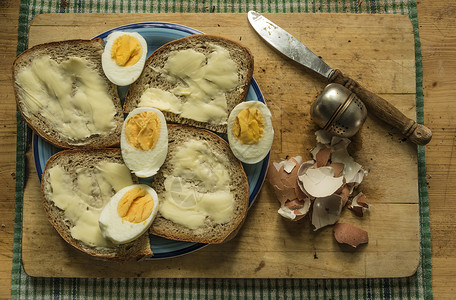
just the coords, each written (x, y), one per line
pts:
(292, 48)
(288, 44)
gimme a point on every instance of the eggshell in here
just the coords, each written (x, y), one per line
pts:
(358, 205)
(338, 169)
(351, 168)
(300, 193)
(325, 184)
(283, 178)
(284, 173)
(291, 163)
(344, 194)
(351, 235)
(322, 157)
(284, 194)
(295, 210)
(358, 178)
(304, 166)
(326, 211)
(319, 182)
(290, 176)
(338, 142)
(295, 204)
(317, 149)
(273, 176)
(323, 137)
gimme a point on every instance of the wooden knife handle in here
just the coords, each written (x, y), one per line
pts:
(382, 109)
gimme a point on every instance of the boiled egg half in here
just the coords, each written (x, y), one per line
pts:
(250, 132)
(129, 213)
(124, 57)
(144, 141)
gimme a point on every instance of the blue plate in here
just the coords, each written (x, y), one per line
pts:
(157, 34)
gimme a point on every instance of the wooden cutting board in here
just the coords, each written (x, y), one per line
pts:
(376, 50)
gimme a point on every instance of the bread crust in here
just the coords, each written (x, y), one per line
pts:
(60, 51)
(210, 232)
(199, 42)
(135, 250)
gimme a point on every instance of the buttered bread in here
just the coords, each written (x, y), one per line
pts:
(202, 187)
(196, 80)
(176, 109)
(64, 95)
(76, 185)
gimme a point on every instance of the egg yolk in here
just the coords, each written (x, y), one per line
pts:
(248, 126)
(142, 130)
(136, 205)
(126, 50)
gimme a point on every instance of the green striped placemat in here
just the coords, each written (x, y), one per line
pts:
(414, 287)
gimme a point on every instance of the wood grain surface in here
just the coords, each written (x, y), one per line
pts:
(438, 42)
(391, 186)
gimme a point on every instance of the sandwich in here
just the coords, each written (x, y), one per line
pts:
(64, 95)
(76, 186)
(196, 80)
(202, 187)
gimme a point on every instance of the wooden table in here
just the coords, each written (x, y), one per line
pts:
(438, 37)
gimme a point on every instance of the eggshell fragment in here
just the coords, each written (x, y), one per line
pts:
(326, 211)
(284, 194)
(290, 175)
(344, 194)
(317, 149)
(351, 168)
(283, 178)
(323, 137)
(284, 173)
(338, 143)
(295, 209)
(358, 205)
(322, 157)
(351, 235)
(319, 182)
(295, 204)
(352, 171)
(290, 164)
(338, 169)
(358, 178)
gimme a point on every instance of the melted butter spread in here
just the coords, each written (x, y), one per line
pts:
(135, 206)
(70, 95)
(200, 85)
(198, 188)
(83, 205)
(143, 130)
(162, 100)
(248, 126)
(126, 50)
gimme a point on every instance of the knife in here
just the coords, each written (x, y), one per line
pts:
(291, 47)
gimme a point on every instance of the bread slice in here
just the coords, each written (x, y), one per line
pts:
(90, 51)
(72, 160)
(210, 232)
(153, 77)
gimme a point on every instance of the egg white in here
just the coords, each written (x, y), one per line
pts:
(120, 75)
(120, 231)
(145, 163)
(251, 154)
